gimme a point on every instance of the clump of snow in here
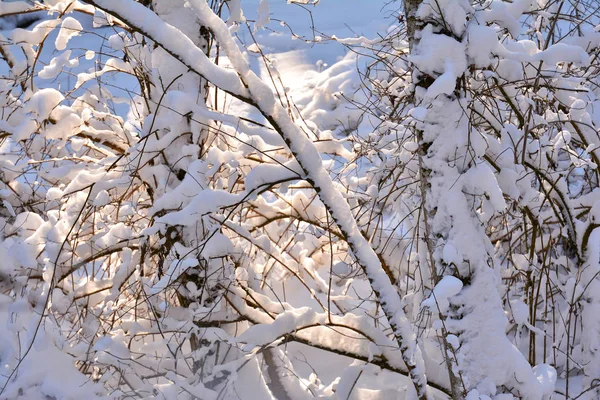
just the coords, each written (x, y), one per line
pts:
(435, 52)
(43, 102)
(263, 15)
(70, 27)
(546, 376)
(56, 65)
(447, 287)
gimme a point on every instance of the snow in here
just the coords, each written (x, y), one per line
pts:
(263, 15)
(447, 287)
(235, 12)
(561, 52)
(8, 7)
(453, 341)
(453, 12)
(434, 51)
(310, 161)
(43, 102)
(520, 311)
(286, 322)
(56, 66)
(111, 64)
(546, 375)
(48, 370)
(418, 113)
(35, 36)
(105, 183)
(177, 43)
(69, 27)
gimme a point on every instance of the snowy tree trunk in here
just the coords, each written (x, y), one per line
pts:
(168, 77)
(410, 11)
(413, 25)
(459, 195)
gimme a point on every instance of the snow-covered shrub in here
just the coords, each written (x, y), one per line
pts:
(416, 221)
(161, 241)
(485, 146)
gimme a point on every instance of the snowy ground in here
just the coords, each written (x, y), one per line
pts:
(342, 18)
(298, 37)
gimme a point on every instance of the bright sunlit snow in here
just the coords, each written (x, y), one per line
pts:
(271, 199)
